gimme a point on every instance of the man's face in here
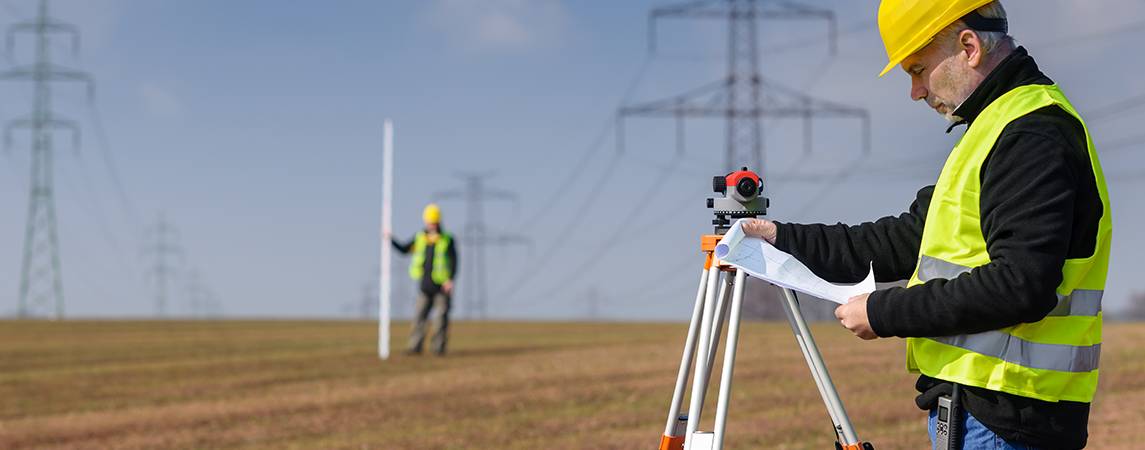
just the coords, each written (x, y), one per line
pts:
(940, 76)
(431, 227)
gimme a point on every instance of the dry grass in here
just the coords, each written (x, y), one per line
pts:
(279, 384)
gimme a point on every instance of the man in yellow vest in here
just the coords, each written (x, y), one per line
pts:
(1006, 253)
(433, 262)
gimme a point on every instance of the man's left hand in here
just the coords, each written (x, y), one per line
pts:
(853, 316)
(447, 287)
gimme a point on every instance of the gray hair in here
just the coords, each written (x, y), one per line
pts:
(992, 41)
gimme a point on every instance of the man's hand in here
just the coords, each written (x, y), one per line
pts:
(853, 316)
(447, 287)
(762, 228)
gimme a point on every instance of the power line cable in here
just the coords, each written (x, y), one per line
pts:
(97, 215)
(575, 175)
(597, 144)
(621, 232)
(109, 161)
(564, 234)
(796, 44)
(695, 168)
(818, 73)
(618, 234)
(1118, 145)
(1116, 108)
(838, 180)
(1086, 37)
(656, 223)
(1125, 177)
(660, 282)
(84, 268)
(783, 47)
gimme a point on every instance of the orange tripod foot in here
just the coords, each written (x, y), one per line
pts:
(671, 442)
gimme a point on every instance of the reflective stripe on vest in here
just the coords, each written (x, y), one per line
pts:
(1079, 302)
(1055, 358)
(440, 272)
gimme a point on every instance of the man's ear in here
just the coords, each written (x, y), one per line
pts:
(972, 47)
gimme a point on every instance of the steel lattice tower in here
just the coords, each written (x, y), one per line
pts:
(744, 134)
(744, 97)
(41, 281)
(164, 236)
(476, 237)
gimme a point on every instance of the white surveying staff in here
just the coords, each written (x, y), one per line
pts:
(387, 229)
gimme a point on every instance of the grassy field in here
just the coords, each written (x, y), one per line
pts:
(282, 384)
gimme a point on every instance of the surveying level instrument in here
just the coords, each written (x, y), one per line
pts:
(743, 197)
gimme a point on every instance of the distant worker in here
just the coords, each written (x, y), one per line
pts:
(1006, 254)
(433, 262)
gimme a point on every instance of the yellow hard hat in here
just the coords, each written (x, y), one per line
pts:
(908, 25)
(432, 214)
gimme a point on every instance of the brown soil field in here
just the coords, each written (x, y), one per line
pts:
(307, 384)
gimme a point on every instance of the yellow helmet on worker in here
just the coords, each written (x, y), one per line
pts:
(909, 25)
(431, 214)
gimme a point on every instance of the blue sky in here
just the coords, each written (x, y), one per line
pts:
(255, 128)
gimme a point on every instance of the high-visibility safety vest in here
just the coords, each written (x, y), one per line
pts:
(441, 261)
(1053, 359)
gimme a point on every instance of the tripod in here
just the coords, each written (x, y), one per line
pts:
(704, 330)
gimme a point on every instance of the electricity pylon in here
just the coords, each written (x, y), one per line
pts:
(476, 236)
(41, 281)
(164, 236)
(201, 300)
(743, 97)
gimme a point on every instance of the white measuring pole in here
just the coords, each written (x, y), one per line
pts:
(387, 229)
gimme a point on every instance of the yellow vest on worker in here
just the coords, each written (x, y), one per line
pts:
(441, 262)
(1053, 359)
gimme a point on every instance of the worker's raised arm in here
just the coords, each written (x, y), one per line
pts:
(404, 248)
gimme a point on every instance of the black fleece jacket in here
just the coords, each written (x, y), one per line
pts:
(1039, 206)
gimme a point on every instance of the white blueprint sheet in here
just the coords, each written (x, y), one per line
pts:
(762, 260)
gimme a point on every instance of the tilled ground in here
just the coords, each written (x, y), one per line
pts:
(288, 384)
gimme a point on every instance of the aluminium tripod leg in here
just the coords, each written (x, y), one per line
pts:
(729, 359)
(674, 434)
(673, 437)
(722, 299)
(703, 346)
(843, 429)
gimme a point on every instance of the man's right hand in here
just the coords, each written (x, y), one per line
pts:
(761, 228)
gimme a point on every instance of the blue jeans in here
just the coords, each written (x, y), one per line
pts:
(975, 436)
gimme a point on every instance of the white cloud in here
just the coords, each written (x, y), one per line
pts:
(482, 26)
(159, 100)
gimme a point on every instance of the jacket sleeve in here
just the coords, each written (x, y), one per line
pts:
(452, 253)
(1029, 183)
(845, 253)
(404, 248)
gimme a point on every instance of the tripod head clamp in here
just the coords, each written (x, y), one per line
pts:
(743, 197)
